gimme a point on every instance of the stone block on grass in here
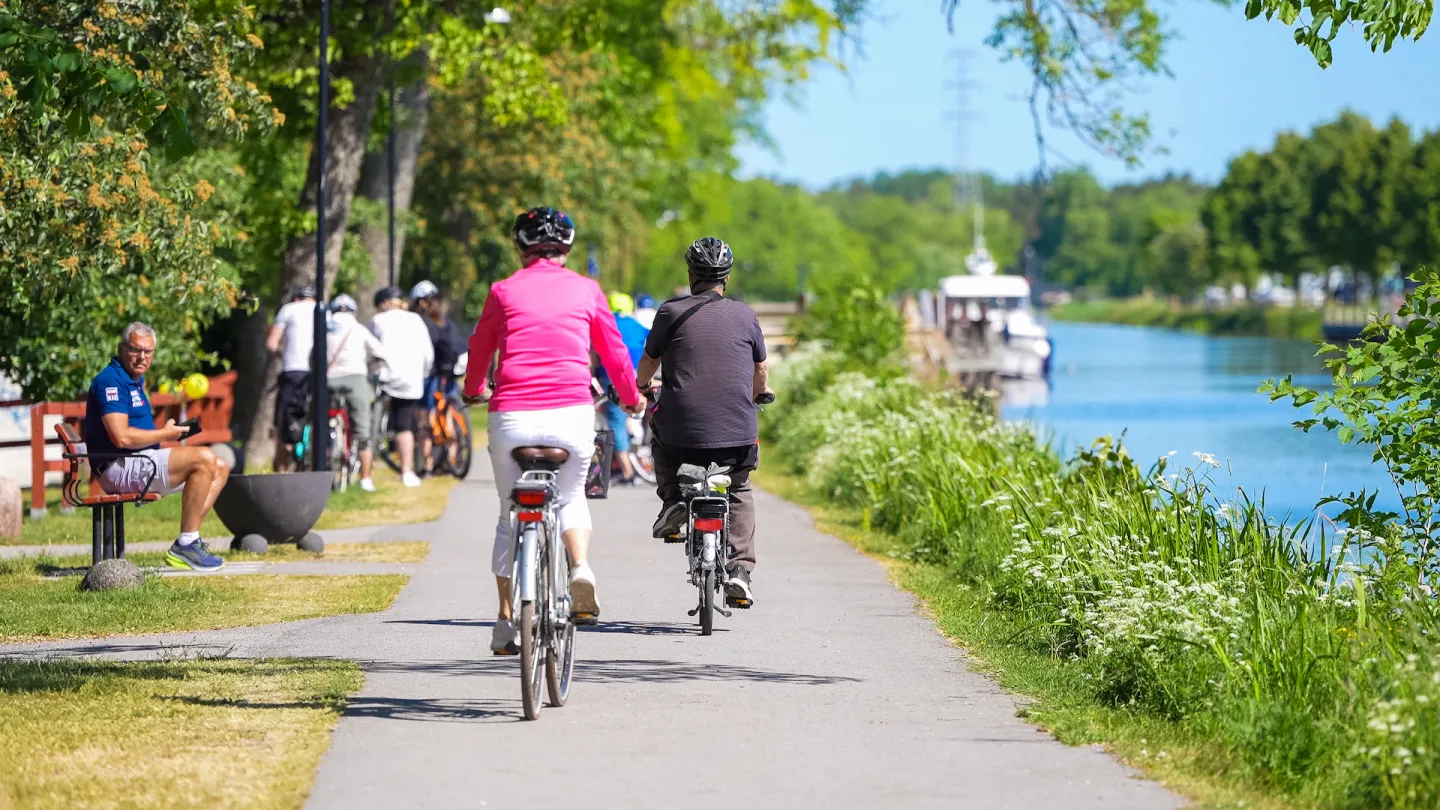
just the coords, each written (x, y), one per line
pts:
(112, 575)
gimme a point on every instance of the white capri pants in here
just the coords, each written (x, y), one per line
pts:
(572, 428)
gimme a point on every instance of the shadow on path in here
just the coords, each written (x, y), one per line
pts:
(434, 710)
(616, 671)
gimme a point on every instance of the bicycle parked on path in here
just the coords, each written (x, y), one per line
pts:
(706, 535)
(540, 581)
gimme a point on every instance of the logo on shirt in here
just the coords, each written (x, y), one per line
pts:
(112, 394)
(135, 400)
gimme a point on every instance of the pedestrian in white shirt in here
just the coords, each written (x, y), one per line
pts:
(291, 340)
(352, 349)
(406, 343)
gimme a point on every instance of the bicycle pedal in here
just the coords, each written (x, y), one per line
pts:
(674, 538)
(742, 604)
(585, 619)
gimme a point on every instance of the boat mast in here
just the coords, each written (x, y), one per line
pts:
(969, 191)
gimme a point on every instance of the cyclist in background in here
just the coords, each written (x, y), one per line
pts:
(407, 345)
(447, 344)
(351, 349)
(290, 340)
(543, 320)
(633, 335)
(645, 311)
(715, 367)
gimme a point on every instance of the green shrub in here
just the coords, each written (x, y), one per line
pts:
(1294, 646)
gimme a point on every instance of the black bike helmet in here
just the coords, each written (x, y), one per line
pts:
(542, 230)
(388, 294)
(710, 259)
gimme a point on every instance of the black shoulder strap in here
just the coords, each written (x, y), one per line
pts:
(678, 322)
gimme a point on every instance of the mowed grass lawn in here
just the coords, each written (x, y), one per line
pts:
(34, 607)
(391, 504)
(199, 733)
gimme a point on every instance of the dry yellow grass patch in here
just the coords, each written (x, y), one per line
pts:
(200, 733)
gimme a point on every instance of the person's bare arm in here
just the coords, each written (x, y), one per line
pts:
(645, 372)
(125, 437)
(272, 338)
(761, 383)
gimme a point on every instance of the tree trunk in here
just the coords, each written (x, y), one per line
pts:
(345, 138)
(412, 111)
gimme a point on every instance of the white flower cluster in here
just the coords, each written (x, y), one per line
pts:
(1402, 739)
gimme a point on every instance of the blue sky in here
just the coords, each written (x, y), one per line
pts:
(1236, 85)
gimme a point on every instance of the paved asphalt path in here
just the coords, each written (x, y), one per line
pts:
(833, 692)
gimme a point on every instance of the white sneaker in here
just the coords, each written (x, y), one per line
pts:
(503, 638)
(410, 479)
(367, 485)
(582, 592)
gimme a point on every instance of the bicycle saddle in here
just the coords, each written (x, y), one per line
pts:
(536, 456)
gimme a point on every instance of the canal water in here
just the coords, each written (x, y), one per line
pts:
(1170, 390)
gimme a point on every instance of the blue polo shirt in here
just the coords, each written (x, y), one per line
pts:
(115, 391)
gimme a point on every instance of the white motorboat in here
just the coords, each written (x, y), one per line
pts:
(1014, 341)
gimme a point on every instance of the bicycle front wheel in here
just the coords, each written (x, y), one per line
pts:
(560, 654)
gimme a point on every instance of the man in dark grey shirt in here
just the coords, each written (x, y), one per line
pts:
(714, 357)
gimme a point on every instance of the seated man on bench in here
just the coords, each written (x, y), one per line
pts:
(119, 419)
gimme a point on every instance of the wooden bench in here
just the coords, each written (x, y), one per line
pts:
(107, 512)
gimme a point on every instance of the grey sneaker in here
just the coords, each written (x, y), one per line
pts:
(195, 557)
(737, 589)
(671, 519)
(503, 638)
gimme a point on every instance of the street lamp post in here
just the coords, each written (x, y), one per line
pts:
(319, 392)
(390, 176)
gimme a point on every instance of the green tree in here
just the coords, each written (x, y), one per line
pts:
(1174, 260)
(95, 230)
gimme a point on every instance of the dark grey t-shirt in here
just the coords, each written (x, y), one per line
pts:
(708, 371)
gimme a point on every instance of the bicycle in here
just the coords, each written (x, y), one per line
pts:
(450, 442)
(706, 534)
(642, 461)
(540, 581)
(344, 450)
(452, 448)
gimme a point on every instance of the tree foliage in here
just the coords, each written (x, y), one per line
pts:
(92, 236)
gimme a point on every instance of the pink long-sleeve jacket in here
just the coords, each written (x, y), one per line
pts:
(543, 320)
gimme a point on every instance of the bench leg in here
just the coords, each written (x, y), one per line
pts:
(119, 531)
(97, 529)
(109, 530)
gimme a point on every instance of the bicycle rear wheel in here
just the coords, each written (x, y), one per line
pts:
(534, 627)
(461, 440)
(707, 603)
(384, 439)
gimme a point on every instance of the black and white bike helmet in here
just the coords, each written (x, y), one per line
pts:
(710, 259)
(541, 230)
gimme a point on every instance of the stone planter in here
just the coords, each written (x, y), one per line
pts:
(278, 507)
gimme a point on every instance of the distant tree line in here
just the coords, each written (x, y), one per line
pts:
(1347, 196)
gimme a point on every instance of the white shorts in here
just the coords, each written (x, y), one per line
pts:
(127, 475)
(572, 428)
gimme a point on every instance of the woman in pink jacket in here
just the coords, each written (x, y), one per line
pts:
(544, 320)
